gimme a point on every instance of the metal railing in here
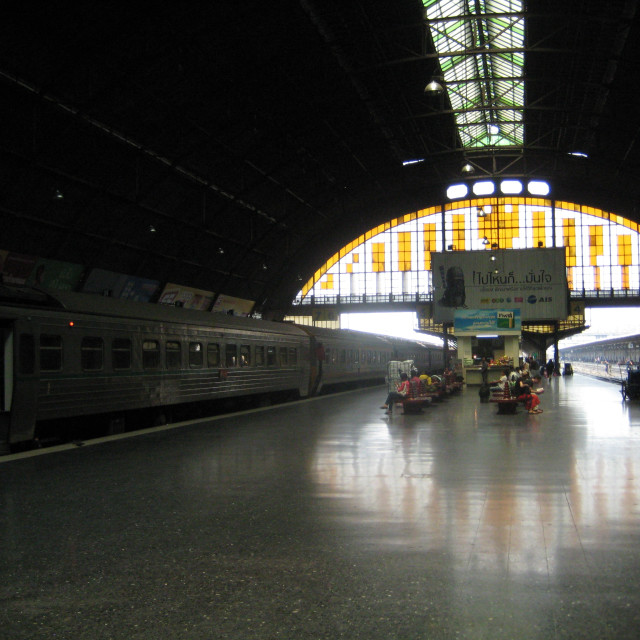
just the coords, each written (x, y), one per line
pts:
(421, 298)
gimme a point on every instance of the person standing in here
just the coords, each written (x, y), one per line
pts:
(484, 370)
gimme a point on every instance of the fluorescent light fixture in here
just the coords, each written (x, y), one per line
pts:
(487, 335)
(416, 161)
(484, 188)
(578, 154)
(538, 188)
(511, 187)
(456, 191)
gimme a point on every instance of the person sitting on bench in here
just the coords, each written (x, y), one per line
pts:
(530, 399)
(397, 396)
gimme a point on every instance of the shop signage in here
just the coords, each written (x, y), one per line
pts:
(471, 322)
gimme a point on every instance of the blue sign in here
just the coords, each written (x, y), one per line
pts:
(498, 321)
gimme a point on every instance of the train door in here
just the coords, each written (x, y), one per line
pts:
(6, 384)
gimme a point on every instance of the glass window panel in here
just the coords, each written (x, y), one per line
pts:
(173, 358)
(150, 354)
(196, 355)
(50, 352)
(213, 355)
(91, 354)
(231, 355)
(121, 354)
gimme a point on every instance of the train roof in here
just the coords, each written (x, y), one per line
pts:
(324, 333)
(634, 337)
(93, 304)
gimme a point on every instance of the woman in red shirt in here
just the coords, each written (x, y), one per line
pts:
(395, 396)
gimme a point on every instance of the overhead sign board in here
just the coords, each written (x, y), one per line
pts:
(534, 281)
(472, 322)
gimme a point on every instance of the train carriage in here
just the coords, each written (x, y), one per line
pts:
(77, 355)
(97, 360)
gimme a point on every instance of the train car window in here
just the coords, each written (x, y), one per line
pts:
(50, 352)
(213, 355)
(27, 354)
(91, 354)
(245, 355)
(259, 356)
(293, 355)
(356, 356)
(151, 354)
(172, 354)
(121, 354)
(271, 356)
(196, 355)
(284, 360)
(327, 355)
(231, 352)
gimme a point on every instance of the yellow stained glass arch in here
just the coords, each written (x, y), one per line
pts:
(602, 248)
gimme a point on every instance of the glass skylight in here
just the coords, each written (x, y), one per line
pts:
(480, 45)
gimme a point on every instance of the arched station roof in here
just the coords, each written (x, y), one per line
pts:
(235, 146)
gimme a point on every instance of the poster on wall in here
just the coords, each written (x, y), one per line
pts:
(534, 281)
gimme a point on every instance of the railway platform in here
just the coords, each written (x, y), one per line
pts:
(329, 519)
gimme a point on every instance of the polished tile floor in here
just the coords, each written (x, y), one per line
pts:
(329, 519)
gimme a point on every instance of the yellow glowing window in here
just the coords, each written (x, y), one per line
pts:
(458, 222)
(404, 251)
(328, 283)
(625, 277)
(569, 241)
(378, 256)
(595, 243)
(356, 258)
(429, 238)
(539, 229)
(596, 276)
(624, 251)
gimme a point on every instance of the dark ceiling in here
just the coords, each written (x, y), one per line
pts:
(258, 138)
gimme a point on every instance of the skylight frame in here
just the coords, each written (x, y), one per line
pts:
(482, 61)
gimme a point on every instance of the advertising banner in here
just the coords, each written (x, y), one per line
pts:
(233, 306)
(472, 322)
(187, 297)
(15, 267)
(53, 274)
(120, 285)
(534, 281)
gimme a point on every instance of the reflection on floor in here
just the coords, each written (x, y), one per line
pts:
(329, 519)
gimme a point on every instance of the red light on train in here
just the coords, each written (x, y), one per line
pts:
(71, 323)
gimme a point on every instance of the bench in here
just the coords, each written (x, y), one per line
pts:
(417, 398)
(507, 404)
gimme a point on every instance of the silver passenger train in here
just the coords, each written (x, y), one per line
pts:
(96, 362)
